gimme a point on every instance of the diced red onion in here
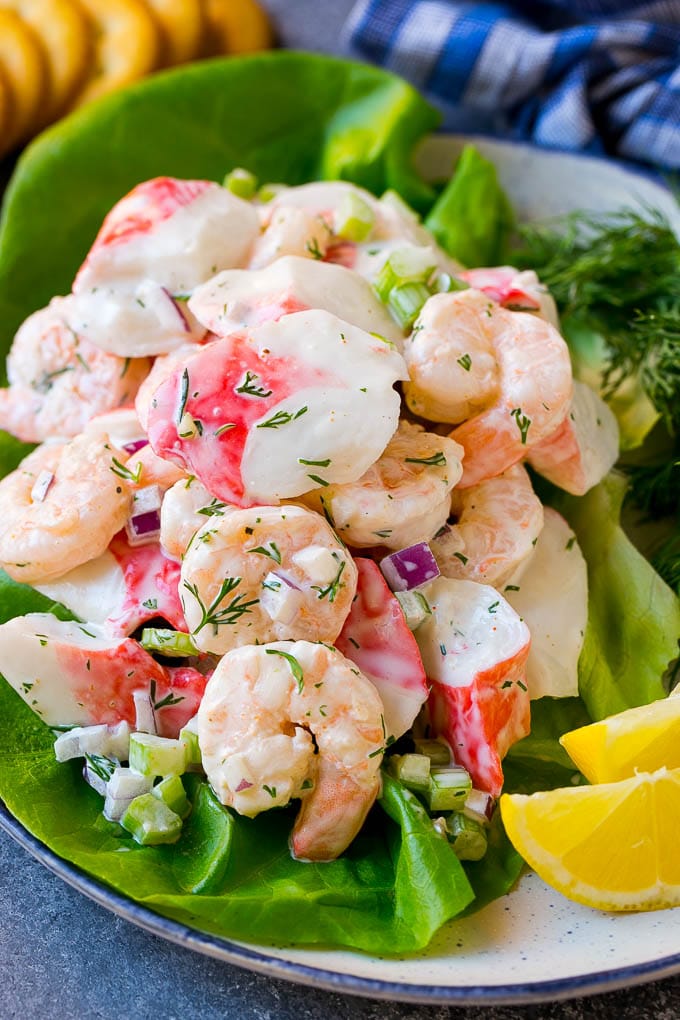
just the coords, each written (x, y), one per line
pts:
(93, 779)
(185, 322)
(144, 524)
(134, 445)
(145, 717)
(41, 486)
(479, 806)
(409, 568)
(243, 785)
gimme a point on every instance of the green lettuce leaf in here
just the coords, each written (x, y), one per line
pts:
(389, 893)
(289, 117)
(472, 219)
(538, 761)
(633, 616)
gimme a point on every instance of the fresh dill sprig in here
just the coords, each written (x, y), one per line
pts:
(619, 274)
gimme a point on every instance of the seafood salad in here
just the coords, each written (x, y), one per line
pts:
(280, 486)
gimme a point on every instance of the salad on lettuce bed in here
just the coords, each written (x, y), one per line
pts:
(230, 871)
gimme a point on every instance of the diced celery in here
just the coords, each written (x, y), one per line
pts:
(405, 302)
(188, 735)
(394, 200)
(436, 750)
(172, 792)
(354, 219)
(448, 788)
(241, 182)
(156, 756)
(446, 284)
(150, 821)
(173, 643)
(413, 770)
(415, 608)
(468, 838)
(269, 191)
(411, 264)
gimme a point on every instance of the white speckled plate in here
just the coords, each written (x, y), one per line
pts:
(532, 944)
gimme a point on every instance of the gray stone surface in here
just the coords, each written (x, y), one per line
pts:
(62, 957)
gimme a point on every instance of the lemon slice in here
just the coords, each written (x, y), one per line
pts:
(63, 31)
(638, 740)
(126, 43)
(235, 26)
(23, 62)
(613, 846)
(181, 26)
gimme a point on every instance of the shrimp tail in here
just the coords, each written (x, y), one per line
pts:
(332, 814)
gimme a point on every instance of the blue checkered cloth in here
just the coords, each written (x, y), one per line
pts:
(600, 76)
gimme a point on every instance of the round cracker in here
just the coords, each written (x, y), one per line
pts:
(24, 63)
(126, 45)
(63, 31)
(235, 26)
(181, 26)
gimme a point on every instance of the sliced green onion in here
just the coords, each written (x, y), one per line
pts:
(241, 183)
(173, 643)
(467, 837)
(411, 264)
(405, 303)
(354, 219)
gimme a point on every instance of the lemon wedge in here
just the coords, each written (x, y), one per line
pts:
(612, 846)
(638, 740)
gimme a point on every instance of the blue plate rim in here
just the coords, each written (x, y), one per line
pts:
(260, 962)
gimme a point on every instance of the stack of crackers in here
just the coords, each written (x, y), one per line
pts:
(56, 55)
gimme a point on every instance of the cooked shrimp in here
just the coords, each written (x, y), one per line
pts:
(291, 231)
(266, 574)
(402, 499)
(238, 299)
(147, 468)
(186, 507)
(583, 448)
(451, 358)
(263, 711)
(519, 291)
(535, 391)
(59, 380)
(61, 507)
(497, 524)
